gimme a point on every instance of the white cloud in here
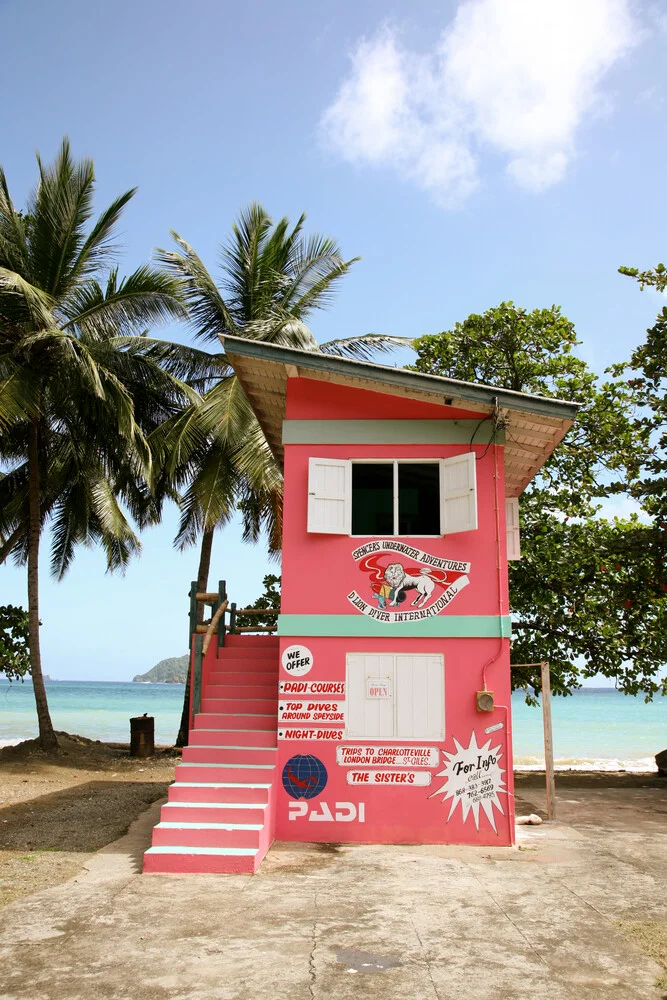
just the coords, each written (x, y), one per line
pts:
(515, 78)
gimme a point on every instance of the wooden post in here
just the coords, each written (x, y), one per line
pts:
(222, 598)
(197, 678)
(232, 617)
(192, 617)
(548, 740)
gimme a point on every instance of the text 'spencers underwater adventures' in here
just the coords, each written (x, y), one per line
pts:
(406, 584)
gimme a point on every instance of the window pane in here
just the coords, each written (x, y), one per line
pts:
(372, 499)
(418, 499)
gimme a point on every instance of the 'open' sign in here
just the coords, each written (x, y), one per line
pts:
(378, 687)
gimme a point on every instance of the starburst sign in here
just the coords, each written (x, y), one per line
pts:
(474, 778)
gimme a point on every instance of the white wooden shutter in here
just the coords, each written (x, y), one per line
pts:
(368, 717)
(458, 493)
(330, 496)
(512, 527)
(420, 697)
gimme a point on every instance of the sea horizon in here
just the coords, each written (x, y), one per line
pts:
(595, 728)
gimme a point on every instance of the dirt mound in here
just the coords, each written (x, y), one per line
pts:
(76, 751)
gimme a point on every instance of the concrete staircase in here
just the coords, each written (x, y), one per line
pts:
(220, 813)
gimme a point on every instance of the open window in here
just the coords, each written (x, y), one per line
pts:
(393, 498)
(395, 696)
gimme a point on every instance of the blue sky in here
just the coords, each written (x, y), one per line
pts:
(469, 151)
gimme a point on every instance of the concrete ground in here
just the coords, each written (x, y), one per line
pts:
(348, 923)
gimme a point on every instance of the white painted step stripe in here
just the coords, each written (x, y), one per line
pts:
(242, 852)
(215, 805)
(201, 729)
(240, 715)
(215, 784)
(225, 746)
(209, 826)
(193, 763)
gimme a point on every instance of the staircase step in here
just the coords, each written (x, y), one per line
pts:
(206, 834)
(213, 812)
(232, 706)
(225, 754)
(233, 737)
(245, 792)
(236, 676)
(224, 772)
(249, 690)
(263, 657)
(251, 641)
(237, 720)
(203, 860)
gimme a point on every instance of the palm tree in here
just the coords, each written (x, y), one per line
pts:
(79, 390)
(273, 278)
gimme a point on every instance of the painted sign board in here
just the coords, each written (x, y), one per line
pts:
(302, 733)
(311, 711)
(332, 689)
(431, 581)
(473, 778)
(389, 778)
(387, 756)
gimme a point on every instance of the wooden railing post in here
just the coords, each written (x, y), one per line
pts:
(232, 617)
(197, 675)
(222, 596)
(548, 740)
(192, 618)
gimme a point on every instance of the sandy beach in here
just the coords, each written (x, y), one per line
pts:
(55, 811)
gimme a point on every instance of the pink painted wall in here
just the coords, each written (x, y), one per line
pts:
(319, 572)
(311, 399)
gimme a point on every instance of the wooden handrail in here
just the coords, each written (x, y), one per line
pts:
(207, 598)
(256, 628)
(214, 624)
(257, 611)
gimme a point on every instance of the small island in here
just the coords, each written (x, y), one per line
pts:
(173, 670)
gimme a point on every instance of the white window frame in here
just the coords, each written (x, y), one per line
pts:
(440, 462)
(467, 458)
(433, 738)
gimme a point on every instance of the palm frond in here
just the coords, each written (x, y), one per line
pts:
(208, 311)
(366, 347)
(144, 298)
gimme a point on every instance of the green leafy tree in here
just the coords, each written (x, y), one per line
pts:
(585, 591)
(14, 635)
(647, 370)
(268, 601)
(79, 390)
(273, 278)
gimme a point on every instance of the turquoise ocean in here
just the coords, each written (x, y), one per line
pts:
(594, 729)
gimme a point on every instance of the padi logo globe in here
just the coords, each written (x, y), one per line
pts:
(304, 776)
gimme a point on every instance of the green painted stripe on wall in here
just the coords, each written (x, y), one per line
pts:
(389, 432)
(450, 626)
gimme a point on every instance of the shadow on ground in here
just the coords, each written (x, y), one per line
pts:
(83, 818)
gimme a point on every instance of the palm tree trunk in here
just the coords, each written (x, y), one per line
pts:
(47, 736)
(202, 584)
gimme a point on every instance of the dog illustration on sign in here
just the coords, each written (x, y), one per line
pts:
(398, 580)
(390, 583)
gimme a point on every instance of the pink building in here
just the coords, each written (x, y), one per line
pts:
(385, 699)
